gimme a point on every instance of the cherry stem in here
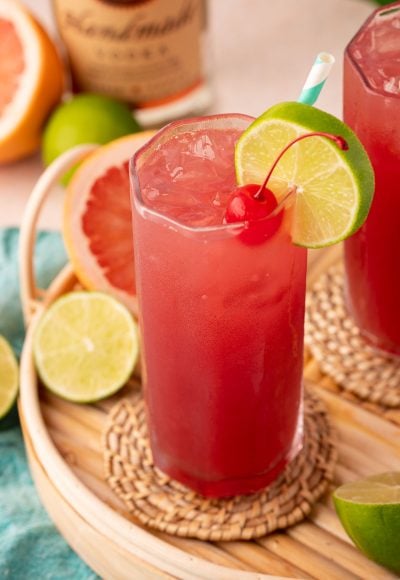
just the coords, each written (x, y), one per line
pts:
(337, 139)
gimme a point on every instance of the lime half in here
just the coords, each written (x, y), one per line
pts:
(85, 346)
(369, 510)
(334, 188)
(8, 377)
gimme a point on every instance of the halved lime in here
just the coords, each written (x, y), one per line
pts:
(334, 188)
(9, 379)
(86, 346)
(369, 510)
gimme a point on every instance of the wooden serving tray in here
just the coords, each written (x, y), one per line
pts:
(63, 446)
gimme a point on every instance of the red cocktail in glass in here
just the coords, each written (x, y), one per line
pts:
(221, 318)
(372, 109)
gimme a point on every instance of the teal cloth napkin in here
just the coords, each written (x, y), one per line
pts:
(30, 545)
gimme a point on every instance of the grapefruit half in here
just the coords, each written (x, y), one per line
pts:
(97, 223)
(31, 81)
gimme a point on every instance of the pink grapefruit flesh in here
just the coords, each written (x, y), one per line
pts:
(98, 220)
(11, 62)
(114, 251)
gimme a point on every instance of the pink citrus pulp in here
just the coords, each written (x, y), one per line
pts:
(97, 220)
(31, 81)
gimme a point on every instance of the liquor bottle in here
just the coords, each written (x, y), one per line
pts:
(149, 53)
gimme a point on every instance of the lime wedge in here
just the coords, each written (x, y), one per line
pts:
(334, 188)
(369, 510)
(85, 346)
(8, 377)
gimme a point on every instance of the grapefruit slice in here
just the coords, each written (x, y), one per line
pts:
(97, 220)
(31, 81)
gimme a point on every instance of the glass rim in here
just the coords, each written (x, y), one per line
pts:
(136, 193)
(380, 11)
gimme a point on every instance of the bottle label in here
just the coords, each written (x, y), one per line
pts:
(144, 52)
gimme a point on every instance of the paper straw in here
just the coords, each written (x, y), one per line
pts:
(316, 78)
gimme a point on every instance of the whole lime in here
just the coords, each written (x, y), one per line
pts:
(85, 118)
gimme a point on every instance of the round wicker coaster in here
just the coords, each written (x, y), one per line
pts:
(162, 503)
(342, 353)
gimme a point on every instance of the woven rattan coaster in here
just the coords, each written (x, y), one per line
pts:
(341, 351)
(164, 504)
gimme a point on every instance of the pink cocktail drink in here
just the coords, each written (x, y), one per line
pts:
(221, 318)
(372, 109)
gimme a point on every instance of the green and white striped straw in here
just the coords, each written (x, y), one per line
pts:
(316, 78)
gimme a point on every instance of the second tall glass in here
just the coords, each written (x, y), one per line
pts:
(221, 318)
(372, 109)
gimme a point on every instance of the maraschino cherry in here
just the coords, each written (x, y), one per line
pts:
(252, 203)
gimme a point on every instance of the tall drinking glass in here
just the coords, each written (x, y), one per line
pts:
(372, 109)
(221, 318)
